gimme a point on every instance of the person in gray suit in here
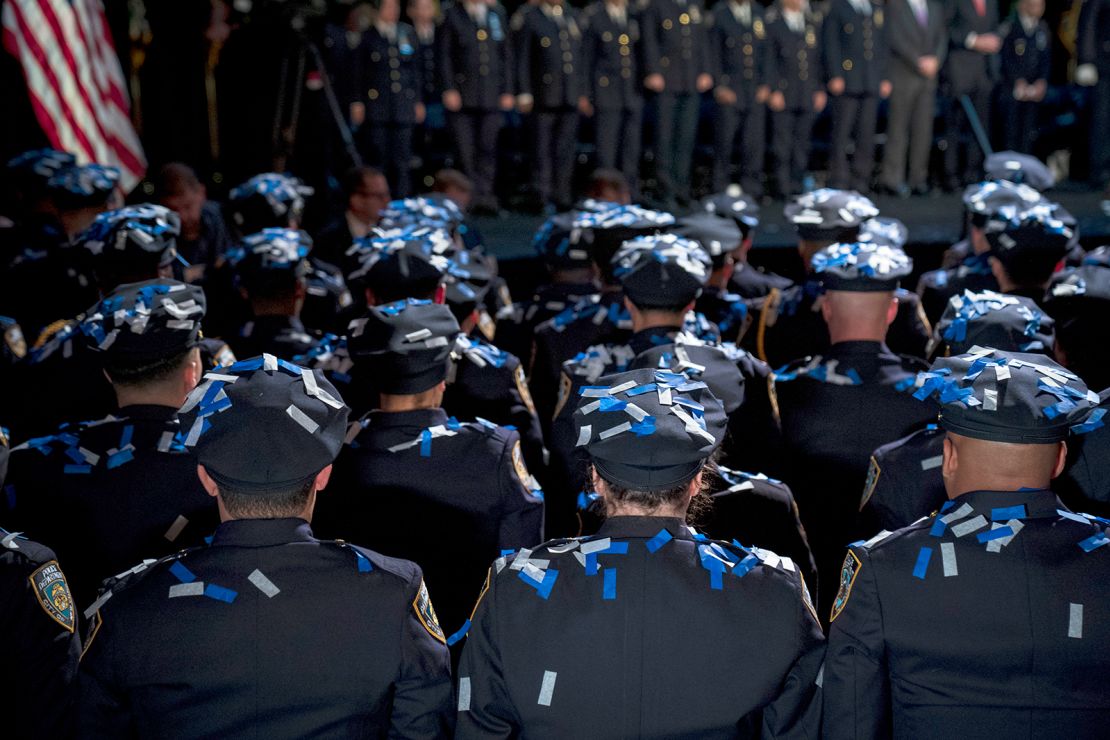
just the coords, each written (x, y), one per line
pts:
(918, 45)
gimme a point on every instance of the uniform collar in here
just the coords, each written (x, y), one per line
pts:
(857, 348)
(146, 412)
(653, 336)
(275, 323)
(1039, 503)
(642, 526)
(262, 532)
(420, 418)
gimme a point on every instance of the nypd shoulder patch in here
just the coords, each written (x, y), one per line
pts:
(52, 593)
(426, 613)
(518, 464)
(873, 473)
(848, 573)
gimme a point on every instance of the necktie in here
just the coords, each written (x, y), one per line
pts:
(921, 10)
(981, 7)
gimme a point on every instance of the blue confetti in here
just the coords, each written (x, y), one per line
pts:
(1004, 514)
(543, 588)
(364, 564)
(119, 458)
(426, 443)
(460, 634)
(994, 534)
(219, 593)
(182, 573)
(660, 539)
(609, 584)
(937, 530)
(1094, 542)
(922, 564)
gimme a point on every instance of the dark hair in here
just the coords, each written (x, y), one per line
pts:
(606, 178)
(175, 178)
(657, 499)
(449, 178)
(1030, 269)
(282, 503)
(680, 308)
(356, 176)
(390, 291)
(132, 374)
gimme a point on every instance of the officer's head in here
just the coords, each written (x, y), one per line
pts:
(985, 199)
(740, 207)
(450, 183)
(1031, 8)
(269, 200)
(610, 226)
(79, 193)
(1026, 245)
(265, 433)
(859, 280)
(131, 244)
(793, 6)
(367, 193)
(146, 336)
(1007, 416)
(988, 319)
(720, 238)
(566, 251)
(421, 12)
(389, 11)
(661, 276)
(270, 267)
(648, 434)
(406, 346)
(178, 188)
(1079, 300)
(827, 216)
(395, 264)
(25, 179)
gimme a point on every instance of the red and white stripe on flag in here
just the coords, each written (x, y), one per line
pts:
(74, 80)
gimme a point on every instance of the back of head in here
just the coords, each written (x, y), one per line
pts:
(144, 331)
(174, 179)
(859, 279)
(395, 264)
(1029, 243)
(610, 226)
(263, 429)
(1079, 300)
(131, 244)
(827, 216)
(664, 272)
(989, 319)
(406, 345)
(270, 264)
(609, 185)
(269, 200)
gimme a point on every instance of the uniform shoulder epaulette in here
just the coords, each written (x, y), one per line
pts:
(819, 369)
(134, 575)
(29, 550)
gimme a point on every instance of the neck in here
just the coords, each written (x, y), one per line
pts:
(421, 401)
(959, 485)
(623, 509)
(277, 307)
(650, 319)
(838, 334)
(154, 395)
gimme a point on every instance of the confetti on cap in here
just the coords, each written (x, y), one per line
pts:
(1020, 234)
(83, 185)
(561, 244)
(990, 319)
(148, 321)
(735, 204)
(39, 165)
(408, 344)
(661, 270)
(649, 429)
(1018, 168)
(884, 230)
(828, 213)
(859, 266)
(134, 235)
(985, 198)
(268, 200)
(1011, 397)
(717, 235)
(414, 254)
(434, 210)
(272, 254)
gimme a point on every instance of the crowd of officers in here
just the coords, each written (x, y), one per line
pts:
(777, 66)
(667, 495)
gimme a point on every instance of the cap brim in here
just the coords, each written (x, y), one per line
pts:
(989, 433)
(639, 478)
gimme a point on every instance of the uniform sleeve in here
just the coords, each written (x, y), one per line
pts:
(484, 707)
(41, 655)
(521, 523)
(523, 59)
(833, 56)
(705, 59)
(104, 709)
(856, 684)
(770, 59)
(445, 57)
(588, 57)
(508, 55)
(1044, 59)
(796, 711)
(422, 693)
(650, 26)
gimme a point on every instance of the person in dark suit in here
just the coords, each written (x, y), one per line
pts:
(393, 93)
(737, 36)
(795, 75)
(636, 588)
(677, 70)
(1025, 61)
(343, 60)
(971, 69)
(854, 35)
(857, 384)
(475, 72)
(612, 67)
(548, 77)
(125, 481)
(407, 463)
(918, 46)
(1025, 575)
(1093, 58)
(367, 193)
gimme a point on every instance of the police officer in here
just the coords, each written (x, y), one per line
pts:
(612, 70)
(548, 76)
(722, 240)
(747, 280)
(794, 72)
(1026, 245)
(677, 70)
(970, 69)
(1020, 169)
(636, 587)
(25, 202)
(855, 49)
(271, 268)
(857, 384)
(475, 70)
(1006, 416)
(40, 640)
(466, 482)
(1026, 60)
(904, 478)
(108, 493)
(1093, 57)
(973, 271)
(737, 36)
(394, 84)
(235, 619)
(1077, 299)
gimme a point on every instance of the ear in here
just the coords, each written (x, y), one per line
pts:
(302, 290)
(693, 487)
(629, 305)
(322, 479)
(998, 271)
(440, 297)
(826, 310)
(190, 378)
(1061, 460)
(892, 311)
(206, 481)
(950, 461)
(371, 299)
(689, 307)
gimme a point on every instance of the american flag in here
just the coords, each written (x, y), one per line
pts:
(74, 80)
